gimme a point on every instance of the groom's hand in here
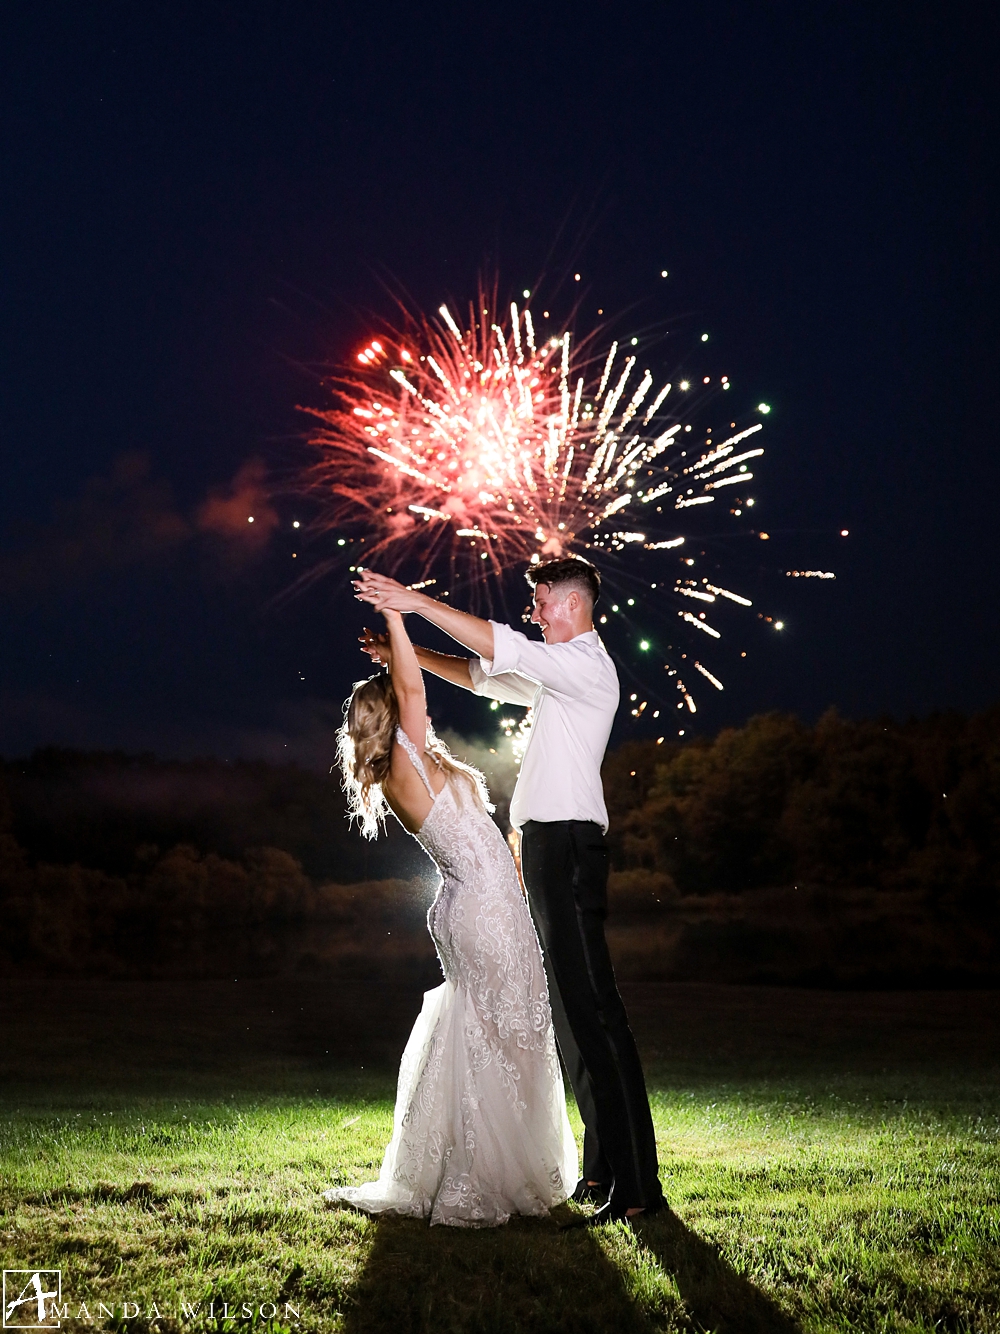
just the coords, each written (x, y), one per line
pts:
(386, 594)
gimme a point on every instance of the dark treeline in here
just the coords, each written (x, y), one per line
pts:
(114, 812)
(847, 853)
(188, 912)
(131, 865)
(878, 804)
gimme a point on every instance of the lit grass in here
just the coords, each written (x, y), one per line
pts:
(865, 1203)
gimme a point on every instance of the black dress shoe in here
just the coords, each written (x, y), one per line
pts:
(613, 1212)
(585, 1193)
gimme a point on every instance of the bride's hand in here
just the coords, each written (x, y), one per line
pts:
(376, 646)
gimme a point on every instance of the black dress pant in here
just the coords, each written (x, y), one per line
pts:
(565, 869)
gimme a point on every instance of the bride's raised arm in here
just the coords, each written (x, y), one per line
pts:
(407, 680)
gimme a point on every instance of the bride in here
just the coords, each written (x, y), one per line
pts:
(480, 1129)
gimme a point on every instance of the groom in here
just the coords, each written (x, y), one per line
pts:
(558, 805)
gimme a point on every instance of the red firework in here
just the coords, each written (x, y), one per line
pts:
(485, 447)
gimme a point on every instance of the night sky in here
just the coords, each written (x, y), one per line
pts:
(203, 209)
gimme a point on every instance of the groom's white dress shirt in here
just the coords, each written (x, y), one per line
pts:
(573, 690)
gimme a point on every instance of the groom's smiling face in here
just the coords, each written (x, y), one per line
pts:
(555, 612)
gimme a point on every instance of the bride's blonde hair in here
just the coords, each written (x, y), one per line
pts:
(364, 752)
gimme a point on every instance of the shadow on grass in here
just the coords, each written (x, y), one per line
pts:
(526, 1277)
(531, 1277)
(715, 1296)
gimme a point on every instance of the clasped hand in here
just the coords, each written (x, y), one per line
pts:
(376, 646)
(383, 593)
(389, 597)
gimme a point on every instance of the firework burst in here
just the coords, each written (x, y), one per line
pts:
(475, 446)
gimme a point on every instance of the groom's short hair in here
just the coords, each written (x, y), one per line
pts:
(572, 570)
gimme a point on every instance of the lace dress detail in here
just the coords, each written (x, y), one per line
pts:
(480, 1129)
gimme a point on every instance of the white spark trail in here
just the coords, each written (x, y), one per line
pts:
(429, 513)
(410, 472)
(725, 593)
(651, 410)
(617, 505)
(731, 463)
(698, 625)
(607, 371)
(516, 326)
(730, 481)
(660, 444)
(709, 677)
(445, 314)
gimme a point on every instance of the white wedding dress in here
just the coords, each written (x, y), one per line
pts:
(480, 1129)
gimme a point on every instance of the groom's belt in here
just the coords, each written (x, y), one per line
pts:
(562, 824)
(558, 822)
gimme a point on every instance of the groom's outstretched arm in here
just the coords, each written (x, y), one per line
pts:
(381, 591)
(447, 666)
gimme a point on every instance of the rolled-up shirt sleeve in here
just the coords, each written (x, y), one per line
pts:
(559, 667)
(508, 687)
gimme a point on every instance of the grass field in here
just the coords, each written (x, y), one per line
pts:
(831, 1161)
